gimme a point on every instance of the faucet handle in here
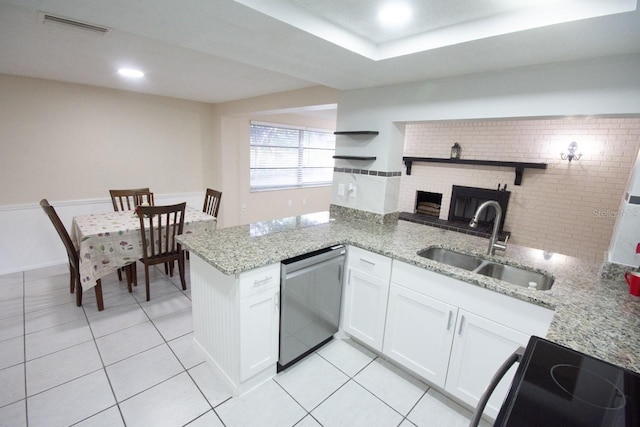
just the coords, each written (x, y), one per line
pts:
(501, 245)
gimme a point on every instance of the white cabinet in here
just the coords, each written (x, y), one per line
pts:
(365, 296)
(479, 348)
(236, 322)
(259, 323)
(419, 332)
(453, 334)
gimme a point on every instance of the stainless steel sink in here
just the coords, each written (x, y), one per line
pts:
(516, 276)
(449, 257)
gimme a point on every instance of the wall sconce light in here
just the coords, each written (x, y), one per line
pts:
(455, 151)
(572, 148)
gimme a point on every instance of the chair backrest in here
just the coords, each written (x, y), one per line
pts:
(128, 200)
(159, 226)
(212, 202)
(62, 232)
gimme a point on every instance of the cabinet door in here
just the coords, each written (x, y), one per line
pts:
(259, 326)
(365, 307)
(480, 346)
(419, 332)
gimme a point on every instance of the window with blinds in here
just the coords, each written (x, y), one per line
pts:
(290, 157)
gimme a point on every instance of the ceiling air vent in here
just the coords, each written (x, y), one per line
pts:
(47, 18)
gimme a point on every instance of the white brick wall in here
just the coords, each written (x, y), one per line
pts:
(568, 208)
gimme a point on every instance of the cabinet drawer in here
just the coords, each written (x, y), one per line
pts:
(369, 262)
(259, 279)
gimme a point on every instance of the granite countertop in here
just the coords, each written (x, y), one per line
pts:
(594, 312)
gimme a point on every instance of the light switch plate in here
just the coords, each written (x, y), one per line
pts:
(340, 189)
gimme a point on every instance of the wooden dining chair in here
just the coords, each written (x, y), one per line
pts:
(212, 202)
(72, 254)
(159, 226)
(128, 200)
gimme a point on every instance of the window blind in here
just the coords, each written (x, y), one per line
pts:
(290, 157)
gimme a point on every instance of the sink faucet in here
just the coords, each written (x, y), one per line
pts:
(493, 240)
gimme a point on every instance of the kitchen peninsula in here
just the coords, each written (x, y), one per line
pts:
(593, 311)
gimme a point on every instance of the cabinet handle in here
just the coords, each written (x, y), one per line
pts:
(261, 282)
(449, 321)
(349, 278)
(367, 261)
(276, 299)
(461, 323)
(340, 274)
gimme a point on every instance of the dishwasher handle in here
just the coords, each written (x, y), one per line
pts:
(502, 370)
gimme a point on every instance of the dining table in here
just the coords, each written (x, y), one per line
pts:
(110, 240)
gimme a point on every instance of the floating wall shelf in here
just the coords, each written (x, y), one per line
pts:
(354, 158)
(356, 132)
(518, 166)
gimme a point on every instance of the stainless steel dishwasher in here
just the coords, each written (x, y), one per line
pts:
(310, 295)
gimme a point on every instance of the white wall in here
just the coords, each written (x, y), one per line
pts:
(232, 121)
(606, 86)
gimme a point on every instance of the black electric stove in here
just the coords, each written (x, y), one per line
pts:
(557, 386)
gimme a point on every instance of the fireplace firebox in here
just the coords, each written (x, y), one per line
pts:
(465, 202)
(428, 203)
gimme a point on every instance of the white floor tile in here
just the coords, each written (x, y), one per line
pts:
(210, 384)
(50, 299)
(172, 403)
(14, 415)
(53, 270)
(118, 298)
(50, 317)
(12, 380)
(116, 319)
(159, 285)
(57, 338)
(11, 278)
(163, 305)
(398, 389)
(47, 284)
(71, 402)
(265, 406)
(11, 307)
(436, 410)
(348, 356)
(186, 350)
(108, 418)
(11, 327)
(11, 291)
(175, 325)
(144, 370)
(128, 342)
(311, 380)
(353, 406)
(11, 352)
(56, 368)
(210, 419)
(308, 421)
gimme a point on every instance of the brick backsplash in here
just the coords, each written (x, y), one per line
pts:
(568, 208)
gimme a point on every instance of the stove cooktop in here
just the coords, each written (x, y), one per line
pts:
(557, 386)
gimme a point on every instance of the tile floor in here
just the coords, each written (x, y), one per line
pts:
(134, 364)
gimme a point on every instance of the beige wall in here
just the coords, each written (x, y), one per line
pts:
(69, 142)
(568, 208)
(231, 120)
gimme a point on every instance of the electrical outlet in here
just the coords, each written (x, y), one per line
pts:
(290, 203)
(243, 207)
(304, 201)
(352, 190)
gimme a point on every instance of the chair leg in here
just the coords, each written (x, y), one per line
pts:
(129, 273)
(146, 277)
(181, 270)
(72, 279)
(78, 287)
(98, 291)
(120, 274)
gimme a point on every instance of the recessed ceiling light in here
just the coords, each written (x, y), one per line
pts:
(394, 14)
(130, 72)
